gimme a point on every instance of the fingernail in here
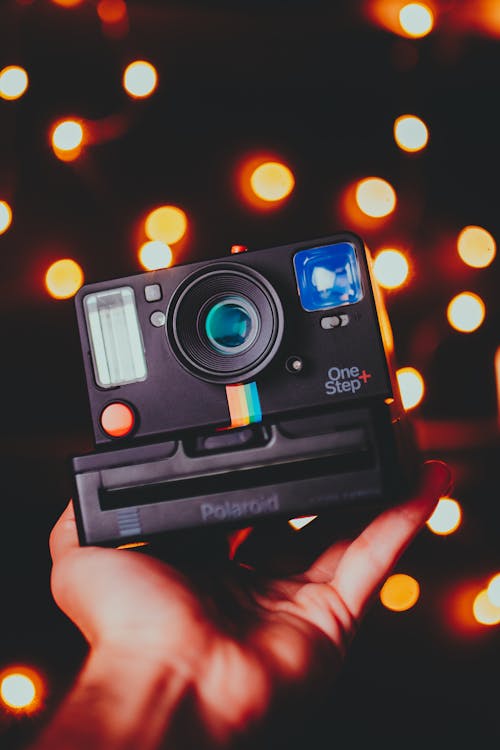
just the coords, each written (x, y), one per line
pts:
(439, 476)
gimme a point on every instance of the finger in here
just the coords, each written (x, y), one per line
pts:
(64, 537)
(323, 569)
(370, 558)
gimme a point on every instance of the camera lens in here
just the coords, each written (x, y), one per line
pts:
(225, 323)
(232, 325)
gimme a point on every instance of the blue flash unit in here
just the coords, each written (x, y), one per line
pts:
(328, 276)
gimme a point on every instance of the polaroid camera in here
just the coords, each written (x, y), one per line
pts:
(259, 384)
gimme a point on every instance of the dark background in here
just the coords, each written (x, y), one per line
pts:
(319, 84)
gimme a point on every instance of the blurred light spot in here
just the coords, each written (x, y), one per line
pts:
(167, 224)
(64, 278)
(154, 255)
(410, 133)
(411, 386)
(484, 611)
(67, 3)
(5, 216)
(111, 11)
(272, 181)
(400, 592)
(13, 82)
(67, 139)
(416, 19)
(133, 545)
(446, 517)
(466, 312)
(299, 523)
(21, 689)
(493, 590)
(140, 79)
(375, 197)
(390, 268)
(476, 246)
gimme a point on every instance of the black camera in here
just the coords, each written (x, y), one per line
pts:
(228, 391)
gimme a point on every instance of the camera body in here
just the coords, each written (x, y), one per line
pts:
(227, 391)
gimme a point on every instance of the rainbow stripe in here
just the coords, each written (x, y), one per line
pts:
(244, 404)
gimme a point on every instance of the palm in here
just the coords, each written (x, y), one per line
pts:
(247, 642)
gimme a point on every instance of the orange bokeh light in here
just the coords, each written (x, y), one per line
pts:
(410, 20)
(400, 592)
(111, 11)
(68, 3)
(264, 174)
(391, 268)
(64, 278)
(13, 82)
(67, 138)
(167, 224)
(446, 518)
(410, 133)
(476, 246)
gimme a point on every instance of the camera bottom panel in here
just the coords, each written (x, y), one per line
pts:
(299, 467)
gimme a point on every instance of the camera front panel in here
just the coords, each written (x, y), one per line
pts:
(226, 342)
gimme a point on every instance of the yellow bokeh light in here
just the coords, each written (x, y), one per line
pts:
(400, 592)
(411, 386)
(446, 517)
(154, 255)
(466, 312)
(416, 19)
(493, 590)
(410, 133)
(484, 611)
(64, 278)
(140, 79)
(13, 82)
(391, 268)
(375, 197)
(299, 523)
(5, 216)
(167, 224)
(476, 246)
(272, 181)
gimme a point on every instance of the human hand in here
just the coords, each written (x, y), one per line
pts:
(216, 671)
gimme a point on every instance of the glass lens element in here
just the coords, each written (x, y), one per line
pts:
(115, 337)
(328, 276)
(232, 325)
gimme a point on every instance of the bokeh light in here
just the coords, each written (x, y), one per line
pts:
(155, 254)
(13, 82)
(111, 11)
(167, 224)
(272, 181)
(493, 590)
(5, 216)
(466, 312)
(446, 517)
(67, 138)
(400, 592)
(64, 278)
(410, 133)
(300, 522)
(375, 197)
(391, 268)
(140, 79)
(68, 3)
(21, 689)
(416, 19)
(476, 246)
(411, 386)
(484, 610)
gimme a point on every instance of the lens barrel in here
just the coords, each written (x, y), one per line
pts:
(224, 323)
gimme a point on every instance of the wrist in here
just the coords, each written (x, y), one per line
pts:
(122, 699)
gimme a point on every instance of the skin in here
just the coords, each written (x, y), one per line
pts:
(218, 660)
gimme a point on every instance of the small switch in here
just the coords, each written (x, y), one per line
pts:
(152, 292)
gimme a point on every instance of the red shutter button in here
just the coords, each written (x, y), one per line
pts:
(117, 419)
